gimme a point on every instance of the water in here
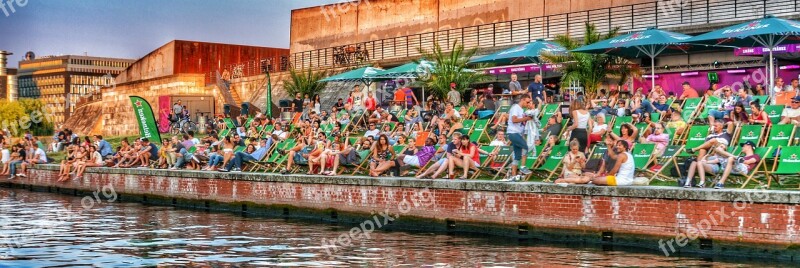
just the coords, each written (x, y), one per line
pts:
(135, 235)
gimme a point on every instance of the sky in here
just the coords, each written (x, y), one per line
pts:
(133, 28)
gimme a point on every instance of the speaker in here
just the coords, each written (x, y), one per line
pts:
(245, 108)
(713, 77)
(226, 108)
(284, 103)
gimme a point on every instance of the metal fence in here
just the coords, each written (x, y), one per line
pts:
(662, 14)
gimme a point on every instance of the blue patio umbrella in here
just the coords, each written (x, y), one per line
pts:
(768, 32)
(527, 53)
(651, 43)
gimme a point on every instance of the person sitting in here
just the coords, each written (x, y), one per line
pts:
(574, 163)
(299, 154)
(621, 174)
(419, 159)
(599, 129)
(719, 138)
(725, 108)
(707, 164)
(553, 127)
(382, 156)
(75, 154)
(658, 137)
(738, 165)
(450, 120)
(372, 132)
(251, 154)
(676, 122)
(316, 157)
(466, 157)
(629, 134)
(442, 163)
(758, 116)
(148, 153)
(95, 160)
(499, 139)
(791, 114)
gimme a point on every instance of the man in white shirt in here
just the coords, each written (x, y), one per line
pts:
(38, 157)
(516, 129)
(372, 131)
(499, 139)
(791, 114)
(278, 131)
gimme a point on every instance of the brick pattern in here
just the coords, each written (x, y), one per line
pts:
(763, 223)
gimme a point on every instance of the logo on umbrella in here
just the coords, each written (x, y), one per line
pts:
(755, 25)
(424, 71)
(631, 38)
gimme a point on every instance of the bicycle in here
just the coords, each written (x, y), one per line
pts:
(183, 126)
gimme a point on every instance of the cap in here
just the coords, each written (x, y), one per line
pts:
(748, 143)
(145, 140)
(796, 98)
(452, 85)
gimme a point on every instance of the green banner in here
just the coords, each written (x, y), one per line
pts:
(146, 119)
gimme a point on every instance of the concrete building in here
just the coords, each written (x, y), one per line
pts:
(391, 32)
(8, 78)
(183, 71)
(62, 82)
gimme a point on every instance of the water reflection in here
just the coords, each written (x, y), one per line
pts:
(133, 235)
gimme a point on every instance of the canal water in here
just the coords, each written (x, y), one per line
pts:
(50, 230)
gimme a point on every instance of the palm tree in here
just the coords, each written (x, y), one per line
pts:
(305, 82)
(590, 69)
(451, 67)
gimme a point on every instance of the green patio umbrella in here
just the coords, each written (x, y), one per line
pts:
(651, 43)
(768, 32)
(365, 75)
(527, 53)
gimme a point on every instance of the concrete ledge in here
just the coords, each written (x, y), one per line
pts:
(651, 192)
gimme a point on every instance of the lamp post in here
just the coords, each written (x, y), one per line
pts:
(266, 67)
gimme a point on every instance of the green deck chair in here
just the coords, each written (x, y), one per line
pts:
(642, 155)
(750, 133)
(468, 123)
(712, 103)
(774, 112)
(618, 121)
(479, 131)
(788, 163)
(690, 107)
(553, 162)
(761, 166)
(696, 137)
(664, 162)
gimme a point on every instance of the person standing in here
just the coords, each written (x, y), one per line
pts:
(177, 110)
(297, 103)
(370, 103)
(536, 88)
(516, 128)
(453, 95)
(688, 92)
(580, 125)
(516, 89)
(411, 99)
(357, 98)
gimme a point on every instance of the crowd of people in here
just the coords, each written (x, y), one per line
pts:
(441, 138)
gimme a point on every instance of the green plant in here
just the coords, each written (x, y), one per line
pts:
(451, 67)
(26, 115)
(305, 82)
(590, 69)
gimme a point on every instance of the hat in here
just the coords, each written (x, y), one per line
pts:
(796, 98)
(452, 85)
(748, 143)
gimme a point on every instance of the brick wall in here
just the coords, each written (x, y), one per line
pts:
(653, 212)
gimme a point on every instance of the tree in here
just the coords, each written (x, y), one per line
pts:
(451, 67)
(590, 69)
(305, 82)
(26, 114)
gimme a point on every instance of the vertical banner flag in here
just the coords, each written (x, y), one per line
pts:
(164, 109)
(147, 121)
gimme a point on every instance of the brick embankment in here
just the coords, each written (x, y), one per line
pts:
(734, 222)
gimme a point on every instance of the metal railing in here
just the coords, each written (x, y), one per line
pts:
(662, 14)
(249, 68)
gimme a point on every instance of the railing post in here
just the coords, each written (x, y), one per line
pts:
(631, 28)
(708, 10)
(529, 30)
(765, 7)
(735, 8)
(655, 13)
(494, 35)
(609, 20)
(547, 27)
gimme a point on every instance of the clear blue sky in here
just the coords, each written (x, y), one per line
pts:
(132, 28)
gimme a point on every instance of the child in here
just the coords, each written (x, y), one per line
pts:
(5, 160)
